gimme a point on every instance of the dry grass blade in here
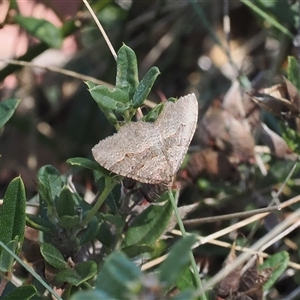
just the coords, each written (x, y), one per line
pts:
(256, 247)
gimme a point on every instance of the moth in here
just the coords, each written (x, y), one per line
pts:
(151, 152)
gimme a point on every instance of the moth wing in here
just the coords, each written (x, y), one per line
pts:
(135, 152)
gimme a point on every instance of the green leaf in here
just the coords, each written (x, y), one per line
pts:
(149, 225)
(91, 232)
(24, 292)
(65, 204)
(6, 260)
(170, 271)
(293, 72)
(144, 87)
(69, 222)
(127, 71)
(186, 280)
(92, 295)
(110, 116)
(292, 137)
(81, 273)
(154, 113)
(135, 250)
(31, 271)
(7, 108)
(41, 29)
(50, 185)
(280, 9)
(267, 17)
(87, 164)
(187, 294)
(53, 256)
(38, 223)
(119, 276)
(279, 263)
(12, 214)
(116, 220)
(104, 235)
(107, 99)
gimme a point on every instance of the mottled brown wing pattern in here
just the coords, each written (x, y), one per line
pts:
(178, 134)
(151, 152)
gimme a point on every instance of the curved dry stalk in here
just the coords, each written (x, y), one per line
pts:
(265, 211)
(276, 195)
(212, 238)
(226, 230)
(290, 220)
(226, 23)
(110, 46)
(207, 239)
(281, 235)
(56, 70)
(246, 249)
(70, 73)
(150, 264)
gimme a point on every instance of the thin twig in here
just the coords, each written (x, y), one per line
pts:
(230, 228)
(111, 48)
(238, 248)
(281, 235)
(226, 22)
(270, 243)
(204, 240)
(243, 214)
(67, 73)
(182, 229)
(285, 181)
(56, 70)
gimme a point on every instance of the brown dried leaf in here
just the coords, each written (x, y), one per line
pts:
(220, 129)
(230, 284)
(212, 130)
(276, 143)
(233, 101)
(239, 104)
(247, 286)
(208, 162)
(183, 211)
(252, 281)
(241, 139)
(293, 93)
(250, 284)
(281, 99)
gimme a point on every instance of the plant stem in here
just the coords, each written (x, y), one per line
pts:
(3, 284)
(268, 18)
(108, 188)
(31, 271)
(182, 229)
